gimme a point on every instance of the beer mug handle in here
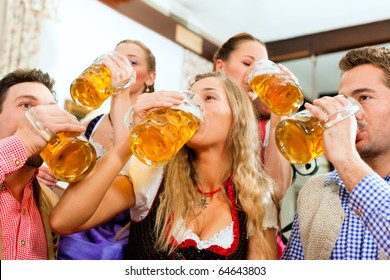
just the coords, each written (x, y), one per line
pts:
(129, 122)
(338, 116)
(120, 88)
(43, 130)
(123, 84)
(192, 97)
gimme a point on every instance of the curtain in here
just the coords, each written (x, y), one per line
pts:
(193, 64)
(20, 38)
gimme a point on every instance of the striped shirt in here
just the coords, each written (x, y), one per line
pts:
(366, 227)
(22, 231)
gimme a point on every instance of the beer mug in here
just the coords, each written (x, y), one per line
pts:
(69, 155)
(164, 131)
(282, 95)
(299, 137)
(93, 86)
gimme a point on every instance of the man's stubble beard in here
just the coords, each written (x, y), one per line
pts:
(34, 161)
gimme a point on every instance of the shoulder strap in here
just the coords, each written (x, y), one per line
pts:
(91, 126)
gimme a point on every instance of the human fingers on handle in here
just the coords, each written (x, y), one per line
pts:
(316, 111)
(344, 100)
(58, 119)
(120, 68)
(160, 99)
(330, 104)
(338, 140)
(43, 121)
(288, 72)
(46, 176)
(33, 141)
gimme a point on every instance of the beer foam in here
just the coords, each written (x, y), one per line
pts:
(188, 106)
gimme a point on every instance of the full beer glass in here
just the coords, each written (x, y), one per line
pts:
(69, 155)
(164, 131)
(93, 86)
(282, 95)
(299, 137)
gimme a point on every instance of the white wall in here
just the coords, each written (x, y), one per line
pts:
(85, 29)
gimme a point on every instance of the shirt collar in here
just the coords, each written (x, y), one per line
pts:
(333, 179)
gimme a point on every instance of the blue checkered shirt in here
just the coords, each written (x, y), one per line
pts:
(361, 236)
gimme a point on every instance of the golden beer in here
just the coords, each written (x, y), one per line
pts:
(278, 91)
(163, 132)
(92, 87)
(70, 158)
(299, 138)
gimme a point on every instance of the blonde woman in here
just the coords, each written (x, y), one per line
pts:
(214, 201)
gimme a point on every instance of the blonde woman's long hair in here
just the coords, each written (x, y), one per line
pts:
(251, 183)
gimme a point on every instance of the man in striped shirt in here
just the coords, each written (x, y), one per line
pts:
(25, 205)
(346, 214)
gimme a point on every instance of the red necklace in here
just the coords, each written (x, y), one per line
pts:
(203, 203)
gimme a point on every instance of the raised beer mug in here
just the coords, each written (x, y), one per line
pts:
(282, 95)
(69, 155)
(93, 86)
(164, 131)
(299, 137)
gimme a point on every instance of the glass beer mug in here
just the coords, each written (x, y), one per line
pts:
(164, 131)
(282, 95)
(69, 155)
(299, 137)
(93, 86)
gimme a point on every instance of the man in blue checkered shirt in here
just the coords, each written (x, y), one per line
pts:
(346, 214)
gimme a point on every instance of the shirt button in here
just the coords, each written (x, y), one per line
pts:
(17, 161)
(357, 212)
(3, 187)
(22, 242)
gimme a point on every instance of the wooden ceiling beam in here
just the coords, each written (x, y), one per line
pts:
(330, 41)
(281, 50)
(163, 25)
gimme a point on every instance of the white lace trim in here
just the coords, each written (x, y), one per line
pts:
(100, 150)
(270, 219)
(224, 238)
